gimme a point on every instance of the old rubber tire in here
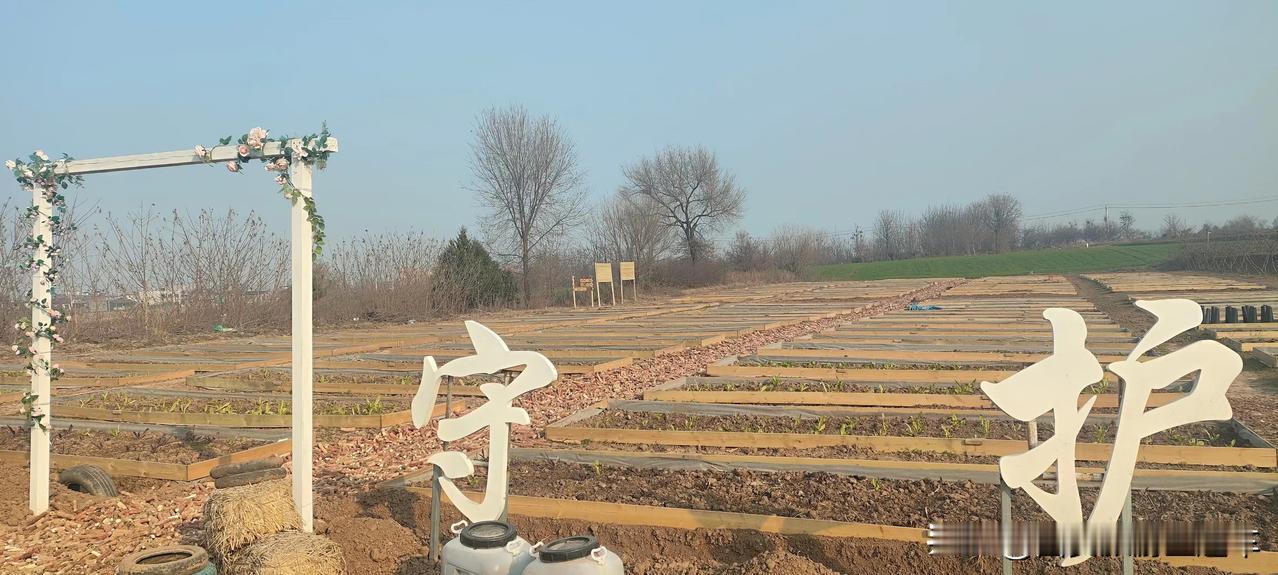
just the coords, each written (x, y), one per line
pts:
(88, 479)
(172, 560)
(254, 465)
(248, 478)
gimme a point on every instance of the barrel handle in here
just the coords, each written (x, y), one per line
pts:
(598, 554)
(458, 526)
(535, 549)
(513, 546)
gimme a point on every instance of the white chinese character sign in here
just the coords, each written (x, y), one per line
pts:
(491, 356)
(1054, 384)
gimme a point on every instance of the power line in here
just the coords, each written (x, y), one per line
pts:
(1161, 206)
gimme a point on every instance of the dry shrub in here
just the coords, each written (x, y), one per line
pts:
(238, 516)
(292, 553)
(773, 276)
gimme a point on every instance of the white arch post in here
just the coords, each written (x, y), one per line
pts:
(302, 339)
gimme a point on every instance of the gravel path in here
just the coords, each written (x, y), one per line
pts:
(82, 536)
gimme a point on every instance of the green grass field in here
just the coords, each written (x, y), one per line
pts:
(1055, 261)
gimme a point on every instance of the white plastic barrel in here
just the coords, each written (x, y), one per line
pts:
(485, 548)
(576, 555)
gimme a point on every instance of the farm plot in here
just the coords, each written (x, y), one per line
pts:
(133, 451)
(888, 409)
(1255, 339)
(231, 410)
(837, 497)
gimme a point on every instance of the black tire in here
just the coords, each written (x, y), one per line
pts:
(249, 478)
(171, 560)
(88, 479)
(254, 465)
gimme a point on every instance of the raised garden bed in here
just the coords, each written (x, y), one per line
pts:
(846, 498)
(344, 381)
(792, 391)
(991, 426)
(190, 408)
(754, 432)
(153, 454)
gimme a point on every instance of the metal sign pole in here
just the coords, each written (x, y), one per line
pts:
(1005, 526)
(1125, 539)
(434, 477)
(505, 510)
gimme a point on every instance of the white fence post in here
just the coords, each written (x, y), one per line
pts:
(303, 356)
(41, 290)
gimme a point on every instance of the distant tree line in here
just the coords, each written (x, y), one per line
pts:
(175, 273)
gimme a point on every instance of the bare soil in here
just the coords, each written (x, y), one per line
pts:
(815, 495)
(885, 364)
(261, 405)
(358, 520)
(1215, 434)
(137, 446)
(807, 385)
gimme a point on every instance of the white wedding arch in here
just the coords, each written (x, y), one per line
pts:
(294, 158)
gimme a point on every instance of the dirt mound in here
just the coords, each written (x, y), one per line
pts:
(779, 561)
(14, 511)
(376, 546)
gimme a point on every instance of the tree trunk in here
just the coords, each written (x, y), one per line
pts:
(523, 259)
(690, 236)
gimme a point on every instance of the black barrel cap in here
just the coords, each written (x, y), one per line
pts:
(488, 535)
(567, 549)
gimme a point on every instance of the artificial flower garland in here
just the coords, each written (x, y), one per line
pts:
(40, 173)
(311, 150)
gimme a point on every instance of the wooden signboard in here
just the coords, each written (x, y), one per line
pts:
(603, 273)
(582, 285)
(628, 275)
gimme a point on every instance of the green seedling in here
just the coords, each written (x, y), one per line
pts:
(915, 426)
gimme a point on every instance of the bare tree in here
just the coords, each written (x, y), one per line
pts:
(526, 174)
(748, 254)
(1127, 226)
(1173, 226)
(628, 228)
(692, 193)
(890, 229)
(1005, 219)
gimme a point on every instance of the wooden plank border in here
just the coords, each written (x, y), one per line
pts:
(1174, 454)
(679, 518)
(153, 469)
(242, 420)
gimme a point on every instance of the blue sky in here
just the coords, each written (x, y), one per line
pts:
(825, 111)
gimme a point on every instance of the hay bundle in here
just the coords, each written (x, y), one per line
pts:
(237, 516)
(291, 553)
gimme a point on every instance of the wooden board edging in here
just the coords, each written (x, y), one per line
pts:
(1175, 454)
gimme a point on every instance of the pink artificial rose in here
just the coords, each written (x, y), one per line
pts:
(29, 334)
(57, 338)
(254, 143)
(54, 313)
(281, 163)
(57, 367)
(201, 151)
(258, 133)
(243, 149)
(12, 165)
(280, 180)
(233, 166)
(40, 154)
